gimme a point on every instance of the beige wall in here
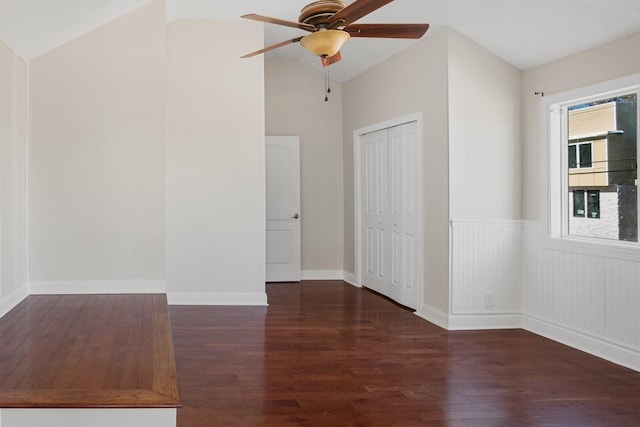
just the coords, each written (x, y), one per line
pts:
(484, 134)
(610, 61)
(96, 154)
(295, 105)
(215, 162)
(13, 143)
(414, 80)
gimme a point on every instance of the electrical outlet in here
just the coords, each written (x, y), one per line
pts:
(488, 300)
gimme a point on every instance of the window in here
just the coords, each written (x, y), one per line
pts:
(578, 203)
(593, 203)
(593, 151)
(580, 155)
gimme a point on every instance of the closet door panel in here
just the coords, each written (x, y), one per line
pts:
(389, 169)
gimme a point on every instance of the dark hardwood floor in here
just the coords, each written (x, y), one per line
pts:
(88, 351)
(329, 354)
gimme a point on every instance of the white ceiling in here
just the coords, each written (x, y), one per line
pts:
(525, 33)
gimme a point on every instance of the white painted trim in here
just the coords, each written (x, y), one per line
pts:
(357, 194)
(470, 322)
(593, 247)
(487, 222)
(26, 172)
(433, 315)
(350, 278)
(218, 298)
(553, 201)
(95, 417)
(597, 346)
(93, 287)
(8, 302)
(321, 275)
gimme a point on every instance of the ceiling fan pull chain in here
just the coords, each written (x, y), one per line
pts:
(327, 89)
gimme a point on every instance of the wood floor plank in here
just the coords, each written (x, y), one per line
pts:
(329, 354)
(76, 350)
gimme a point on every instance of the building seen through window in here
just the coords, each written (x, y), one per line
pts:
(603, 169)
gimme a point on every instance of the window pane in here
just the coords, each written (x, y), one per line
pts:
(578, 203)
(585, 156)
(593, 203)
(573, 157)
(603, 170)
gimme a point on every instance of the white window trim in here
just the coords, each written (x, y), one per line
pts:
(554, 161)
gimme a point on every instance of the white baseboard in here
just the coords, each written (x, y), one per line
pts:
(321, 275)
(350, 278)
(330, 275)
(597, 346)
(222, 298)
(14, 298)
(433, 315)
(93, 287)
(94, 417)
(470, 322)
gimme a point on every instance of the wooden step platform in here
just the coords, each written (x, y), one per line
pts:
(88, 351)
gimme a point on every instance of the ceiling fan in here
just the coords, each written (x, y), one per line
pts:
(331, 23)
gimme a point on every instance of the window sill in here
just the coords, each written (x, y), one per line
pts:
(614, 250)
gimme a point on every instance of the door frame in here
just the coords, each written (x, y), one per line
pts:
(358, 191)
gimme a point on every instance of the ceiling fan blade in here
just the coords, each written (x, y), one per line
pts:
(274, 46)
(329, 60)
(355, 11)
(277, 21)
(388, 31)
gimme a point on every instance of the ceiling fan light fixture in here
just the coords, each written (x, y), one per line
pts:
(325, 43)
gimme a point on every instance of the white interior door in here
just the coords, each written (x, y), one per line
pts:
(375, 211)
(389, 189)
(403, 180)
(282, 208)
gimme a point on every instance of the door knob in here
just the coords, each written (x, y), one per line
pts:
(295, 216)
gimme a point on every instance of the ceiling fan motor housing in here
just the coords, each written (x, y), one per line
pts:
(318, 12)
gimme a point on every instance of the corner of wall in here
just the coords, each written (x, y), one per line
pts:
(8, 302)
(13, 191)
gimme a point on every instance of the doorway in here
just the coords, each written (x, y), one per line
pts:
(282, 154)
(388, 209)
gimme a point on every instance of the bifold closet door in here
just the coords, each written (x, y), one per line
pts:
(375, 168)
(389, 207)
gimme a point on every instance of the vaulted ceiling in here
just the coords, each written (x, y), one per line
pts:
(525, 33)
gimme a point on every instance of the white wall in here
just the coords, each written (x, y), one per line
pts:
(294, 105)
(414, 80)
(596, 65)
(96, 158)
(13, 144)
(577, 294)
(141, 133)
(215, 164)
(484, 133)
(470, 101)
(485, 187)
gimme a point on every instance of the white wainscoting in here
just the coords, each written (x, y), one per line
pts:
(485, 290)
(581, 298)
